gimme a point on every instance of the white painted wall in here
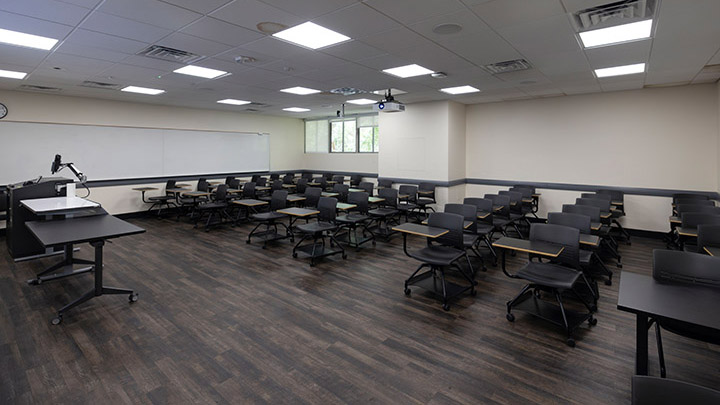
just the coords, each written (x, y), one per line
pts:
(344, 162)
(456, 141)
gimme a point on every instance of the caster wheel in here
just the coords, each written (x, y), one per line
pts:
(510, 317)
(570, 342)
(475, 282)
(312, 264)
(619, 265)
(608, 282)
(57, 320)
(247, 241)
(629, 243)
(407, 291)
(592, 321)
(374, 243)
(344, 257)
(133, 297)
(446, 307)
(594, 308)
(264, 247)
(473, 292)
(294, 255)
(484, 268)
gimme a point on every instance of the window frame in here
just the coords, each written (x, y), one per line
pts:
(329, 122)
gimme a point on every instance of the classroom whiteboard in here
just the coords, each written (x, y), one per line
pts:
(109, 153)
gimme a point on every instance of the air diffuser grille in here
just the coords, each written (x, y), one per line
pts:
(169, 54)
(610, 14)
(507, 66)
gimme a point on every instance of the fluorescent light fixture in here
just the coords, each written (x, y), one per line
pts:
(617, 34)
(460, 90)
(296, 109)
(232, 101)
(12, 75)
(311, 35)
(142, 90)
(28, 40)
(620, 70)
(408, 71)
(361, 101)
(303, 91)
(393, 90)
(200, 72)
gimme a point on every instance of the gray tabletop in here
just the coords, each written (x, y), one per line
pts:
(80, 230)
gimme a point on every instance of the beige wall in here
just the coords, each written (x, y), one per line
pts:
(456, 141)
(343, 162)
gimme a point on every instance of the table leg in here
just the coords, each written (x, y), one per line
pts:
(641, 345)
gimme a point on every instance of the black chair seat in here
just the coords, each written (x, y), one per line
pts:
(437, 255)
(516, 216)
(317, 227)
(188, 201)
(160, 198)
(406, 206)
(469, 239)
(266, 216)
(585, 256)
(352, 218)
(212, 206)
(484, 228)
(383, 212)
(500, 222)
(662, 391)
(423, 201)
(549, 275)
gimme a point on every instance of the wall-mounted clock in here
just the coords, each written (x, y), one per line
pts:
(3, 111)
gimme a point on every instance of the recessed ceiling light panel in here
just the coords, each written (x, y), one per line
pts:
(361, 101)
(311, 35)
(620, 70)
(296, 109)
(232, 101)
(393, 91)
(617, 34)
(27, 40)
(12, 75)
(142, 90)
(460, 90)
(302, 91)
(408, 71)
(200, 72)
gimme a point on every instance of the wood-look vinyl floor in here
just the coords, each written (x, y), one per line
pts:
(220, 321)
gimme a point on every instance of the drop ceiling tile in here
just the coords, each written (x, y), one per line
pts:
(481, 49)
(21, 56)
(82, 3)
(151, 63)
(552, 34)
(669, 76)
(383, 62)
(220, 31)
(353, 51)
(150, 12)
(248, 13)
(193, 44)
(29, 25)
(288, 67)
(470, 23)
(275, 48)
(219, 64)
(253, 77)
(75, 64)
(434, 57)
(412, 11)
(89, 52)
(623, 85)
(202, 7)
(55, 11)
(357, 21)
(621, 54)
(309, 9)
(506, 13)
(395, 40)
(290, 81)
(132, 73)
(541, 90)
(92, 39)
(122, 27)
(317, 60)
(260, 58)
(559, 63)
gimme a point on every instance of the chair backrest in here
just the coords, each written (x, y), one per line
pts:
(277, 185)
(202, 185)
(301, 185)
(355, 179)
(428, 190)
(525, 191)
(338, 179)
(170, 184)
(692, 196)
(274, 176)
(604, 205)
(278, 200)
(693, 201)
(312, 196)
(502, 201)
(565, 236)
(342, 190)
(390, 195)
(255, 178)
(615, 195)
(410, 191)
(288, 178)
(228, 179)
(386, 183)
(367, 186)
(451, 222)
(579, 221)
(596, 195)
(693, 219)
(589, 210)
(359, 198)
(481, 204)
(221, 192)
(515, 199)
(468, 212)
(322, 181)
(328, 209)
(708, 235)
(328, 176)
(234, 183)
(676, 265)
(705, 209)
(307, 176)
(526, 186)
(262, 182)
(248, 190)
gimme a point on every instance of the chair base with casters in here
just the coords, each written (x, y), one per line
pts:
(589, 260)
(271, 220)
(214, 210)
(383, 218)
(318, 231)
(556, 280)
(350, 223)
(160, 202)
(434, 279)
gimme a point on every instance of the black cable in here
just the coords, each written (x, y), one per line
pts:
(88, 190)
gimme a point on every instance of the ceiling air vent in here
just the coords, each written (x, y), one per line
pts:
(507, 66)
(100, 85)
(616, 13)
(45, 89)
(169, 54)
(251, 110)
(347, 91)
(257, 105)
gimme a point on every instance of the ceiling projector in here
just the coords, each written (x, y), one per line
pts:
(389, 104)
